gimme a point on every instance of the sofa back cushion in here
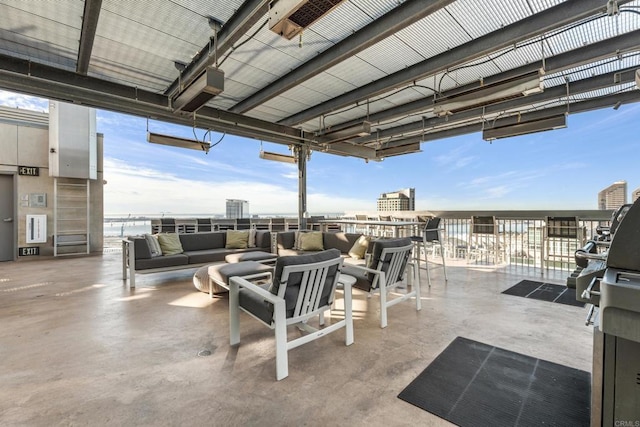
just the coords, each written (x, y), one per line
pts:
(141, 248)
(203, 241)
(263, 239)
(341, 241)
(286, 239)
(237, 239)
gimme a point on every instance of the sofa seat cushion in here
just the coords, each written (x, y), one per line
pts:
(207, 255)
(162, 261)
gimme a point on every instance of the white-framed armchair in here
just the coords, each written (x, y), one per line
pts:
(303, 287)
(390, 267)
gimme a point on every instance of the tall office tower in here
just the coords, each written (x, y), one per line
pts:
(237, 209)
(401, 200)
(635, 195)
(613, 196)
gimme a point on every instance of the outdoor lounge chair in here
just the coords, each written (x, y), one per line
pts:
(386, 271)
(303, 287)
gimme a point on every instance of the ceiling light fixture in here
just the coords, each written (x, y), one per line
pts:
(523, 128)
(492, 93)
(207, 85)
(355, 131)
(174, 141)
(277, 157)
(289, 17)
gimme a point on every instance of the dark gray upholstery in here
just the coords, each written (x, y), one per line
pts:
(141, 248)
(255, 255)
(364, 280)
(162, 261)
(263, 239)
(264, 310)
(202, 241)
(207, 255)
(221, 273)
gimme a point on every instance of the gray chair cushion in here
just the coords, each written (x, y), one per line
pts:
(378, 246)
(293, 283)
(362, 277)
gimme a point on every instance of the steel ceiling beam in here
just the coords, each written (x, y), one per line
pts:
(88, 34)
(557, 92)
(387, 25)
(49, 82)
(577, 107)
(235, 28)
(550, 19)
(590, 53)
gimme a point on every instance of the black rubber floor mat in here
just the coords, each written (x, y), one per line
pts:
(545, 292)
(475, 384)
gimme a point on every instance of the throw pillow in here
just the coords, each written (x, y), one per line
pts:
(154, 245)
(237, 239)
(311, 241)
(170, 243)
(359, 248)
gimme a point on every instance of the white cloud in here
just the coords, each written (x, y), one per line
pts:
(138, 190)
(26, 102)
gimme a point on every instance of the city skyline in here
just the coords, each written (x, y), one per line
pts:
(561, 169)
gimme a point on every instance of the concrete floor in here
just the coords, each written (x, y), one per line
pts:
(78, 347)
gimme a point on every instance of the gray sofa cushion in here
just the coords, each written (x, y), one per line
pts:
(286, 240)
(162, 261)
(341, 241)
(202, 241)
(263, 239)
(141, 248)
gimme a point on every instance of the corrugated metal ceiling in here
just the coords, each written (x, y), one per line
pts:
(137, 43)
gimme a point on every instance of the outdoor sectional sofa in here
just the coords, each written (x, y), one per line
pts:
(198, 249)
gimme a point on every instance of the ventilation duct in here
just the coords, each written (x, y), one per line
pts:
(207, 85)
(289, 17)
(492, 93)
(523, 128)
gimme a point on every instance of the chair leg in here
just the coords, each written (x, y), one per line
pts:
(280, 319)
(444, 263)
(348, 315)
(382, 284)
(416, 285)
(234, 313)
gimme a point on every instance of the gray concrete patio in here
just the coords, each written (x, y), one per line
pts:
(79, 348)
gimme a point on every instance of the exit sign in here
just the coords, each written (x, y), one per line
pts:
(29, 251)
(29, 170)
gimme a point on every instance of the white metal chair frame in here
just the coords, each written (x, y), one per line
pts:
(382, 283)
(307, 306)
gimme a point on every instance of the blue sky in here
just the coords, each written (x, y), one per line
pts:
(561, 169)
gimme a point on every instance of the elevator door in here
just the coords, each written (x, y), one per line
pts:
(7, 239)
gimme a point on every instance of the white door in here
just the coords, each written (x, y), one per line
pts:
(7, 239)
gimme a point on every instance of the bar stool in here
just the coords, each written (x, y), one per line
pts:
(430, 239)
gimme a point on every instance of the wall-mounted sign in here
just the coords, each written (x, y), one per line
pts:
(29, 170)
(29, 251)
(36, 228)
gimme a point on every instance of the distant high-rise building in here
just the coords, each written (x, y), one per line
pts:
(401, 200)
(237, 209)
(613, 196)
(635, 195)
